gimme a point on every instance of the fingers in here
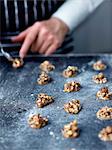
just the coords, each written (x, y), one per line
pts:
(29, 39)
(21, 36)
(42, 36)
(26, 45)
(51, 50)
(53, 47)
(46, 44)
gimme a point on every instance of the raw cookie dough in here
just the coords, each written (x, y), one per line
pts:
(104, 113)
(99, 65)
(46, 66)
(72, 107)
(106, 134)
(17, 63)
(43, 79)
(71, 130)
(43, 100)
(37, 121)
(70, 71)
(104, 94)
(72, 86)
(99, 78)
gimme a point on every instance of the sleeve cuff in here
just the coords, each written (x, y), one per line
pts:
(73, 12)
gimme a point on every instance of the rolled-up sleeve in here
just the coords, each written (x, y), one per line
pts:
(73, 12)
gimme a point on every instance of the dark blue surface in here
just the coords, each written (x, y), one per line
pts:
(18, 91)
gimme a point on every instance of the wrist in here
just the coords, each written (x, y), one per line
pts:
(58, 23)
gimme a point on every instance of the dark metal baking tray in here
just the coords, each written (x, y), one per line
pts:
(18, 91)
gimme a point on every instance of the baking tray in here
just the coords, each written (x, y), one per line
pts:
(18, 91)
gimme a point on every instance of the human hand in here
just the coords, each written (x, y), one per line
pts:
(43, 37)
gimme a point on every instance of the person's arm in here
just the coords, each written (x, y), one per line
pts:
(44, 37)
(48, 35)
(73, 12)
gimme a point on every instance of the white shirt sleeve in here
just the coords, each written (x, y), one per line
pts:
(73, 12)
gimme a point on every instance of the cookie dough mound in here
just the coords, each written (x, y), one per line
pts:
(43, 79)
(17, 63)
(72, 107)
(104, 113)
(46, 66)
(43, 100)
(72, 86)
(99, 78)
(99, 65)
(104, 94)
(106, 134)
(71, 130)
(37, 121)
(71, 71)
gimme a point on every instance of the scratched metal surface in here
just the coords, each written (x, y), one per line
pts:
(18, 90)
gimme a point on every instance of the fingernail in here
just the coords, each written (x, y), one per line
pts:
(21, 55)
(46, 54)
(13, 38)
